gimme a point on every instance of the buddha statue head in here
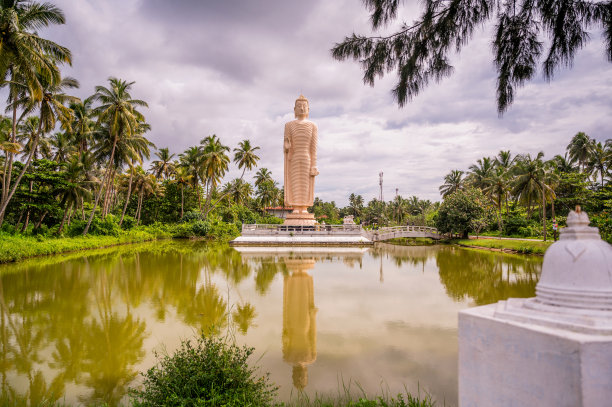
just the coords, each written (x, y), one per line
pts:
(301, 107)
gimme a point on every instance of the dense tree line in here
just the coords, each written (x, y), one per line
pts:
(515, 193)
(64, 159)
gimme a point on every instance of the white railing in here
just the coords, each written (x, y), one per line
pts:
(385, 233)
(302, 230)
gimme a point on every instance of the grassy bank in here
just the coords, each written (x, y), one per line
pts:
(15, 246)
(412, 241)
(508, 245)
(18, 247)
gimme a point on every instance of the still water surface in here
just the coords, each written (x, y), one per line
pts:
(80, 327)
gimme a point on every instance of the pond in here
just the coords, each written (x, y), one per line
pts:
(80, 327)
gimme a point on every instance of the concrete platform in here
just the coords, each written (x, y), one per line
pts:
(289, 235)
(301, 240)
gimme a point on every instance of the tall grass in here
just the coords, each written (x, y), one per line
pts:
(518, 246)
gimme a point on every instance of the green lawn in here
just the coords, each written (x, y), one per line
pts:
(519, 246)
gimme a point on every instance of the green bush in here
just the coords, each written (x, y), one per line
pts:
(182, 231)
(513, 225)
(192, 216)
(128, 222)
(200, 228)
(206, 372)
(107, 227)
(8, 228)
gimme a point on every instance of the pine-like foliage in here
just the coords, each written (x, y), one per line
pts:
(419, 53)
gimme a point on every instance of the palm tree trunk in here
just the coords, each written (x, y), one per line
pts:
(129, 194)
(61, 226)
(499, 215)
(27, 221)
(543, 212)
(182, 199)
(139, 205)
(222, 196)
(82, 208)
(507, 213)
(93, 211)
(8, 163)
(529, 207)
(21, 174)
(40, 221)
(74, 209)
(107, 194)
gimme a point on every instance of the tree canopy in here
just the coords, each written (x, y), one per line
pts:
(525, 32)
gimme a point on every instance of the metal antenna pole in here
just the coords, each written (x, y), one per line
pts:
(380, 182)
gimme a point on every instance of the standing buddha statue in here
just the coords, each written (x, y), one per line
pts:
(300, 151)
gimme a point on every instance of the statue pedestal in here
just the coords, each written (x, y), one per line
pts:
(504, 362)
(553, 350)
(300, 219)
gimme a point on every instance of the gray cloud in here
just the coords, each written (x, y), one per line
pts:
(234, 68)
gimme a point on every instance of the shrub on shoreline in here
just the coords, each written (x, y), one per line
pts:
(207, 371)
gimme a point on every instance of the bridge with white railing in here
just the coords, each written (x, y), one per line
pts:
(389, 233)
(325, 231)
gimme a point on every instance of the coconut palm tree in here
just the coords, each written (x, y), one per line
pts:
(534, 179)
(245, 157)
(63, 146)
(579, 149)
(23, 51)
(528, 173)
(51, 108)
(239, 190)
(83, 125)
(267, 193)
(164, 165)
(191, 161)
(262, 176)
(599, 160)
(77, 187)
(356, 204)
(452, 182)
(128, 151)
(145, 185)
(215, 163)
(481, 172)
(497, 191)
(182, 178)
(118, 111)
(563, 164)
(26, 136)
(25, 59)
(398, 208)
(504, 160)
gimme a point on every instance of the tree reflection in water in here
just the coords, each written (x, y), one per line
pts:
(81, 321)
(487, 277)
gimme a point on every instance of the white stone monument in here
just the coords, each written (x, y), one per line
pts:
(551, 350)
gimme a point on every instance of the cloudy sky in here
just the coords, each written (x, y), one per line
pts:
(235, 67)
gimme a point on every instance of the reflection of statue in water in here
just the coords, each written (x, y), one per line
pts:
(300, 151)
(299, 320)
